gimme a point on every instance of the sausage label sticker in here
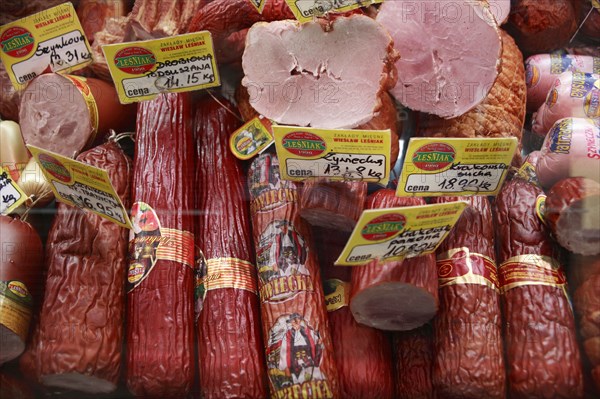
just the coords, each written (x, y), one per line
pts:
(16, 304)
(455, 166)
(461, 266)
(281, 257)
(142, 70)
(149, 243)
(337, 294)
(258, 4)
(393, 234)
(306, 153)
(524, 270)
(11, 195)
(252, 138)
(307, 10)
(81, 185)
(52, 39)
(294, 359)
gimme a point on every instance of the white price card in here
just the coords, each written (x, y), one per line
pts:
(142, 70)
(455, 166)
(11, 195)
(49, 40)
(81, 185)
(393, 234)
(338, 154)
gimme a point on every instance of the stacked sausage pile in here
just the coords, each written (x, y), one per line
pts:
(226, 285)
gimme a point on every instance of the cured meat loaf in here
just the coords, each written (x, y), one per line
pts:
(434, 39)
(230, 344)
(67, 114)
(573, 214)
(542, 354)
(326, 87)
(21, 257)
(395, 295)
(502, 112)
(540, 26)
(413, 353)
(298, 348)
(363, 354)
(79, 339)
(468, 354)
(160, 280)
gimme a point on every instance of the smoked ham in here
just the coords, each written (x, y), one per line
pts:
(441, 69)
(326, 87)
(502, 112)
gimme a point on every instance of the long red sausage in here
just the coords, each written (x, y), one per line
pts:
(542, 354)
(298, 347)
(160, 281)
(230, 345)
(468, 354)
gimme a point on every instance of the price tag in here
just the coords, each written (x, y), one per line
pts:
(52, 38)
(306, 10)
(142, 70)
(455, 166)
(11, 195)
(252, 138)
(397, 233)
(258, 4)
(336, 154)
(81, 185)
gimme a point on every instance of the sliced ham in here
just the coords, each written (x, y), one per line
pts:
(502, 112)
(443, 70)
(322, 74)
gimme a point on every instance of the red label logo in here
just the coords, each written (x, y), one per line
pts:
(304, 144)
(55, 168)
(384, 226)
(135, 60)
(17, 42)
(434, 156)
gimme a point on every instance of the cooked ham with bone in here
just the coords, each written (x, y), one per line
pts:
(321, 74)
(450, 54)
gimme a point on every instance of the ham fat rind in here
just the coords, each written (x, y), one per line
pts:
(321, 74)
(442, 70)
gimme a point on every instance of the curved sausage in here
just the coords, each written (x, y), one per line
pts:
(468, 355)
(542, 354)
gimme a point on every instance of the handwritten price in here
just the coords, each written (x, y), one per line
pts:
(464, 184)
(103, 203)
